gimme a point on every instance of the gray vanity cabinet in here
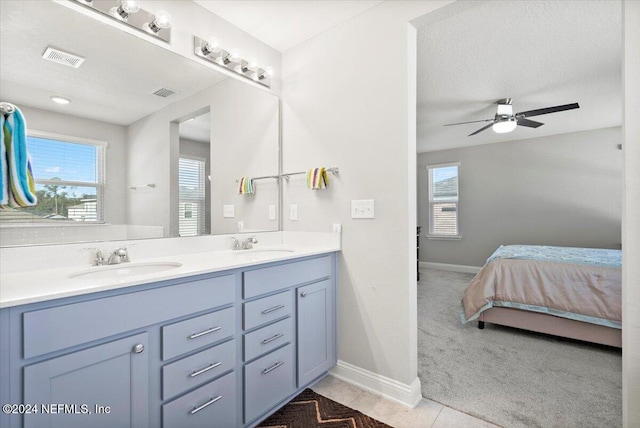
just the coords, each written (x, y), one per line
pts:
(218, 350)
(104, 386)
(316, 336)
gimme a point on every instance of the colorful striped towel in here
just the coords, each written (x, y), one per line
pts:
(317, 178)
(16, 178)
(246, 186)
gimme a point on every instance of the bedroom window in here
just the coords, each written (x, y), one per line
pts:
(443, 201)
(69, 178)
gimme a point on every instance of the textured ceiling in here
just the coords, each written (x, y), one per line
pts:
(115, 82)
(540, 53)
(283, 24)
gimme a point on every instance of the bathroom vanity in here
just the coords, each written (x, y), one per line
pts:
(219, 349)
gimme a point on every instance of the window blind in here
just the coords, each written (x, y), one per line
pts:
(443, 200)
(191, 208)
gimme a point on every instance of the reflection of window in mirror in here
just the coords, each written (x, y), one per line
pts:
(191, 203)
(69, 177)
(194, 191)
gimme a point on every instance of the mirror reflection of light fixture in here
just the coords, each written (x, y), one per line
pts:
(504, 126)
(161, 20)
(60, 100)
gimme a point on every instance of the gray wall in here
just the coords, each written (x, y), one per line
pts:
(563, 190)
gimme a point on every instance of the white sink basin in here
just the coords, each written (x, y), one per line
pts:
(124, 270)
(263, 252)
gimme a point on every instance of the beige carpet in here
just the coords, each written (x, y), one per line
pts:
(509, 377)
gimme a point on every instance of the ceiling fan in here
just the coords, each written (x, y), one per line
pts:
(506, 121)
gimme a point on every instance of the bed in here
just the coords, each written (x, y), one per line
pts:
(563, 291)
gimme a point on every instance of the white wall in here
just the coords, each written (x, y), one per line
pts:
(563, 190)
(631, 219)
(116, 152)
(348, 100)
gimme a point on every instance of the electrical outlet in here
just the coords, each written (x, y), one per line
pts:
(272, 212)
(364, 208)
(293, 212)
(228, 211)
(337, 228)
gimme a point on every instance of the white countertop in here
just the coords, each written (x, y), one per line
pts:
(19, 288)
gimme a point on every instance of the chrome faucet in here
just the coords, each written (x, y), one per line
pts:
(118, 256)
(99, 260)
(247, 244)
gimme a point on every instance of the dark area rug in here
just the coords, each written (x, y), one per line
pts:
(309, 410)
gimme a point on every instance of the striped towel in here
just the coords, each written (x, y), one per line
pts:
(246, 186)
(17, 183)
(317, 178)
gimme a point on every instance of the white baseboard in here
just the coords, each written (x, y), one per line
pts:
(407, 395)
(450, 267)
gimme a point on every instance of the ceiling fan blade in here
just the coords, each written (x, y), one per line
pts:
(473, 121)
(483, 128)
(547, 110)
(528, 123)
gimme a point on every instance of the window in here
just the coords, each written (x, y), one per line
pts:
(191, 209)
(69, 179)
(443, 201)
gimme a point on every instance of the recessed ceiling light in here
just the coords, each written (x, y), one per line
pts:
(60, 100)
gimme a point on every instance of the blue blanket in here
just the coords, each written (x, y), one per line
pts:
(581, 256)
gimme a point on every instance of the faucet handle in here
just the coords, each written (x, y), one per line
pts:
(99, 260)
(236, 243)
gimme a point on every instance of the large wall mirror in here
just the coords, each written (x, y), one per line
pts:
(152, 144)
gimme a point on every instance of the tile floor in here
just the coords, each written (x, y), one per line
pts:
(428, 414)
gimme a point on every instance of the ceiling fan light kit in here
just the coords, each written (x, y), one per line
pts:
(506, 121)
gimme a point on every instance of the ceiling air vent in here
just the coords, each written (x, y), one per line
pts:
(164, 92)
(62, 57)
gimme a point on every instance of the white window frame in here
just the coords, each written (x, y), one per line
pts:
(99, 185)
(430, 234)
(200, 203)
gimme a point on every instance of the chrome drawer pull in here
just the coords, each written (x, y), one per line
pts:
(202, 333)
(272, 338)
(202, 406)
(273, 367)
(206, 369)
(275, 308)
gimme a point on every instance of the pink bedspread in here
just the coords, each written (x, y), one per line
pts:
(585, 293)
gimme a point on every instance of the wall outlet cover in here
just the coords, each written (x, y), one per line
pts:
(337, 228)
(228, 211)
(272, 212)
(293, 212)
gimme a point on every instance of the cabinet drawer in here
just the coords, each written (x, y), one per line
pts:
(267, 338)
(194, 333)
(213, 405)
(266, 280)
(267, 381)
(61, 327)
(197, 369)
(267, 309)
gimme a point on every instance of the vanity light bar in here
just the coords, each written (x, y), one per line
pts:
(231, 61)
(129, 13)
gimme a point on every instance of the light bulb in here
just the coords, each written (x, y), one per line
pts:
(252, 63)
(234, 55)
(161, 20)
(504, 126)
(269, 71)
(130, 6)
(212, 46)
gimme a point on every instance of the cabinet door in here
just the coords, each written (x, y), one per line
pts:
(105, 386)
(316, 336)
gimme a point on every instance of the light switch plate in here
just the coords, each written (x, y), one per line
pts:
(293, 212)
(228, 211)
(272, 212)
(337, 228)
(364, 208)
(240, 226)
